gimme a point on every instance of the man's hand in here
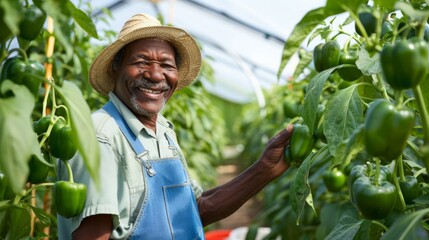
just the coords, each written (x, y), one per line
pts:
(272, 157)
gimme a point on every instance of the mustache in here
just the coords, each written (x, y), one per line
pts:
(145, 83)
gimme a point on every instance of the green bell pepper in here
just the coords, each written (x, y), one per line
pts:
(32, 22)
(300, 145)
(326, 55)
(28, 73)
(291, 109)
(409, 188)
(386, 29)
(334, 180)
(69, 197)
(359, 170)
(349, 73)
(387, 129)
(5, 190)
(38, 170)
(62, 142)
(374, 201)
(405, 63)
(371, 193)
(369, 23)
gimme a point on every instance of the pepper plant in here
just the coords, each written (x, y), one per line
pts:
(374, 121)
(45, 113)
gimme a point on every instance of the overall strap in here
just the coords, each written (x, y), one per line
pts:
(129, 135)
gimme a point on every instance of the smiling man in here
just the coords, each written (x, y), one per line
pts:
(145, 190)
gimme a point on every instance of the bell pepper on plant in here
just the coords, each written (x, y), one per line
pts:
(41, 126)
(387, 128)
(300, 145)
(24, 72)
(326, 55)
(371, 193)
(32, 22)
(291, 109)
(6, 192)
(69, 196)
(409, 188)
(359, 170)
(62, 142)
(334, 179)
(349, 73)
(405, 63)
(38, 170)
(386, 29)
(369, 23)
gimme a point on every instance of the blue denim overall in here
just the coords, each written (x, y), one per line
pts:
(169, 210)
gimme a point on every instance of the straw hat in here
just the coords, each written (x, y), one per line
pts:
(145, 26)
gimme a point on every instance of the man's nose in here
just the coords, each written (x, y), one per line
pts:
(154, 72)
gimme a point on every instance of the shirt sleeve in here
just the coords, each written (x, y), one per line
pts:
(102, 195)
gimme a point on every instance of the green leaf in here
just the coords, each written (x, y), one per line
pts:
(312, 97)
(386, 4)
(351, 147)
(299, 34)
(83, 20)
(81, 123)
(18, 140)
(305, 59)
(346, 228)
(409, 10)
(367, 64)
(343, 114)
(424, 85)
(339, 6)
(12, 14)
(44, 217)
(300, 190)
(19, 223)
(403, 227)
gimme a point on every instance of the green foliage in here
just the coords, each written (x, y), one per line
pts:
(344, 104)
(68, 97)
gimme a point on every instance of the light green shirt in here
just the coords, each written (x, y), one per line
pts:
(121, 175)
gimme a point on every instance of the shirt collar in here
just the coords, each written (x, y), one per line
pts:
(134, 124)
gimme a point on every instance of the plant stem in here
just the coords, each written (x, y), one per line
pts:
(49, 184)
(421, 106)
(69, 170)
(396, 183)
(423, 111)
(380, 225)
(377, 172)
(20, 52)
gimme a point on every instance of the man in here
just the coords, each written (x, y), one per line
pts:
(145, 190)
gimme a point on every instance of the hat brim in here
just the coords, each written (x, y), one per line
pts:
(100, 73)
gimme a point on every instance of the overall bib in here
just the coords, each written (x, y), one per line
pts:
(169, 209)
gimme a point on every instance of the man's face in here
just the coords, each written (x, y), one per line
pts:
(147, 76)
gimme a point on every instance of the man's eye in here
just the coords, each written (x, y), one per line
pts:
(142, 63)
